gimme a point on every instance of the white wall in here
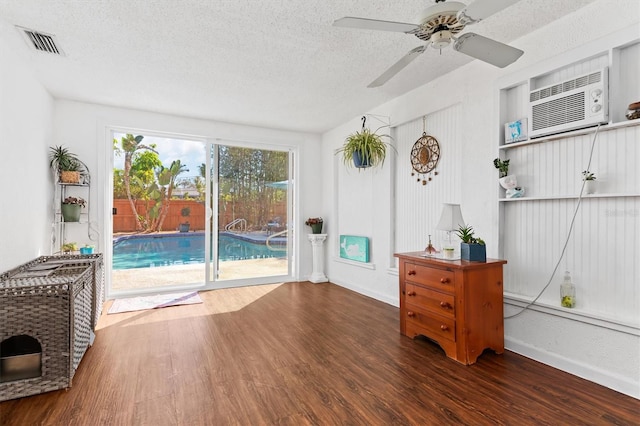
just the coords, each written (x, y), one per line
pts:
(596, 351)
(85, 129)
(25, 136)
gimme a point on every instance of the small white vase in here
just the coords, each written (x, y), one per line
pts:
(589, 186)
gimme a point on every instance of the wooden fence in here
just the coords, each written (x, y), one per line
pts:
(124, 220)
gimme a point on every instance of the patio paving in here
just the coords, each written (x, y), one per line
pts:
(165, 276)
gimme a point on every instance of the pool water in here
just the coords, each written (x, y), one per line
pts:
(167, 250)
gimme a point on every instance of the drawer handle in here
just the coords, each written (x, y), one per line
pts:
(411, 272)
(444, 280)
(411, 314)
(445, 305)
(411, 293)
(444, 327)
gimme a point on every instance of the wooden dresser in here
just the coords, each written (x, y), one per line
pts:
(456, 303)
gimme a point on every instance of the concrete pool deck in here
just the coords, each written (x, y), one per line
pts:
(166, 276)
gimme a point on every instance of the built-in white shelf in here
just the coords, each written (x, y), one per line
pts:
(365, 265)
(549, 168)
(579, 132)
(567, 197)
(630, 326)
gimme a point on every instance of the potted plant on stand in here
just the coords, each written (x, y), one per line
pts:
(364, 148)
(71, 208)
(589, 179)
(471, 248)
(67, 167)
(184, 226)
(316, 224)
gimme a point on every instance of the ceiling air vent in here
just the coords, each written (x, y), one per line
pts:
(41, 41)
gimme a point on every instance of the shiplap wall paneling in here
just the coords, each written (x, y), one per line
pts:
(355, 192)
(602, 253)
(554, 167)
(418, 206)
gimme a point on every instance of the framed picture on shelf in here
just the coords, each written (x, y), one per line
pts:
(516, 131)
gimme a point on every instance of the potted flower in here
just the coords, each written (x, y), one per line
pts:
(316, 224)
(471, 248)
(364, 148)
(71, 208)
(67, 166)
(589, 179)
(184, 226)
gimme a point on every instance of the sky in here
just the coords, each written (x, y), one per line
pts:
(191, 153)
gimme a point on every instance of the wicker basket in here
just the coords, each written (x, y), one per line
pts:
(96, 260)
(69, 177)
(51, 303)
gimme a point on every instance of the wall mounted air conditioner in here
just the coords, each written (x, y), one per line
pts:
(573, 104)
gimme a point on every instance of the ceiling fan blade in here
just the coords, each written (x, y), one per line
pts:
(397, 67)
(374, 24)
(487, 50)
(481, 9)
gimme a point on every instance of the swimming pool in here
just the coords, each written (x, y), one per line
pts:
(145, 251)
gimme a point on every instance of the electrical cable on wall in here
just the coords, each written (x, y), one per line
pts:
(566, 243)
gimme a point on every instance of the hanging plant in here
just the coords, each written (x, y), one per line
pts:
(365, 148)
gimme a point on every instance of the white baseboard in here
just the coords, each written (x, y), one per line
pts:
(367, 292)
(620, 384)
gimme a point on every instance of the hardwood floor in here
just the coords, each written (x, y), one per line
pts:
(302, 353)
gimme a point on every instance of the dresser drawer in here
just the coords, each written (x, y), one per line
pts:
(435, 326)
(431, 300)
(432, 277)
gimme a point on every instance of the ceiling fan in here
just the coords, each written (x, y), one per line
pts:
(439, 26)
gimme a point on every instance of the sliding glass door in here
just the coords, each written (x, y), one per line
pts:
(250, 238)
(158, 209)
(189, 214)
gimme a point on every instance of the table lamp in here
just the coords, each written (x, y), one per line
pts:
(450, 219)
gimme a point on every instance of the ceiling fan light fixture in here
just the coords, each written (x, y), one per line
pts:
(441, 39)
(441, 26)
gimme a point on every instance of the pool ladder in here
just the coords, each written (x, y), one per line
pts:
(277, 234)
(233, 223)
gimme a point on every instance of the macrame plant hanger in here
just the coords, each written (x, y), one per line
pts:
(425, 155)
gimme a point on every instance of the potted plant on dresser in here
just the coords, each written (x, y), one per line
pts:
(471, 248)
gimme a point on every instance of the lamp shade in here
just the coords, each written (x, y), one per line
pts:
(451, 218)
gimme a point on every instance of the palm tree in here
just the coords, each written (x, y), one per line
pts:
(130, 144)
(163, 191)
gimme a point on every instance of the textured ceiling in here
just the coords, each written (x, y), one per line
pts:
(272, 63)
